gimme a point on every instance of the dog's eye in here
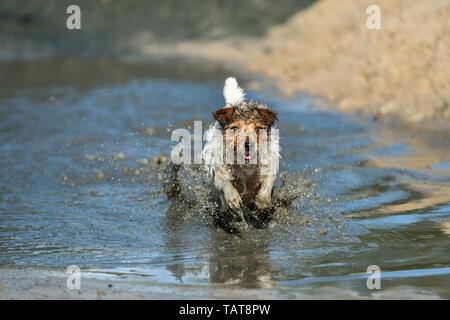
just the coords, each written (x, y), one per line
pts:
(261, 127)
(232, 127)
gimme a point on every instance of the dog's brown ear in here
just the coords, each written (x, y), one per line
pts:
(224, 116)
(268, 116)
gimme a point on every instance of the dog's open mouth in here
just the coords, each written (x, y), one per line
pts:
(247, 155)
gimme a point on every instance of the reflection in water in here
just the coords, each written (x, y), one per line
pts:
(422, 172)
(248, 270)
(445, 227)
(232, 260)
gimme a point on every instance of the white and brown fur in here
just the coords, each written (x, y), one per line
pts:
(245, 183)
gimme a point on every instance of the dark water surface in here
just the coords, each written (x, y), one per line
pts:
(80, 186)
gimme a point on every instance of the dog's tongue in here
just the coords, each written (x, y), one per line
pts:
(248, 156)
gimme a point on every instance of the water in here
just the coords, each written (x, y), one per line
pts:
(80, 185)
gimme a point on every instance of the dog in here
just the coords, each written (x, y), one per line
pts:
(242, 152)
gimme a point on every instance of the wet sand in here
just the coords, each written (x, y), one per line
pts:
(49, 284)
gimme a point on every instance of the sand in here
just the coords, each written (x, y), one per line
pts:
(48, 284)
(401, 71)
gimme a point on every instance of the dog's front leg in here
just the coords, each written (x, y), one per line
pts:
(263, 199)
(222, 180)
(231, 195)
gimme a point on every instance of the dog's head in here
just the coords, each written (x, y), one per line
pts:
(244, 126)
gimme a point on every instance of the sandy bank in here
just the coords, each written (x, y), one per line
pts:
(402, 69)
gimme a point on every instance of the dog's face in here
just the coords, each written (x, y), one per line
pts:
(244, 127)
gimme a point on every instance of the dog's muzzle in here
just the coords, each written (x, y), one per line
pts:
(248, 155)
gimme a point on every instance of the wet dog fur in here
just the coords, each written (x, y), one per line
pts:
(244, 184)
(243, 187)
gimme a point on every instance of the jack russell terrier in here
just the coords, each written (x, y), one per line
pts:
(242, 152)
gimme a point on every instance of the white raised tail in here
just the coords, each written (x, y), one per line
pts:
(232, 93)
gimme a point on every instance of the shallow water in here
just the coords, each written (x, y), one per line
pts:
(80, 186)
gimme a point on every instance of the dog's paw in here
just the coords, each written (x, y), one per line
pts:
(232, 198)
(263, 200)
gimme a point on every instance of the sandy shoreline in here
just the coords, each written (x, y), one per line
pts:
(399, 72)
(28, 283)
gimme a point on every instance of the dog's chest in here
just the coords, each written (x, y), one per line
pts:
(247, 182)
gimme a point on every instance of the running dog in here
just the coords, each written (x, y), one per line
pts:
(242, 152)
